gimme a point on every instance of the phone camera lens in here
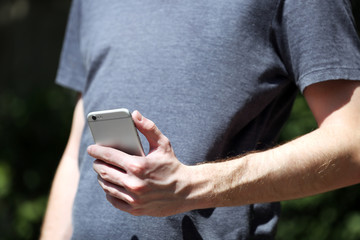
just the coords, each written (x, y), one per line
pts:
(93, 118)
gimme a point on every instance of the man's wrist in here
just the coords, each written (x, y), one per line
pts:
(212, 184)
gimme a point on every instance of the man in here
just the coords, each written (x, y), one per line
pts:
(218, 79)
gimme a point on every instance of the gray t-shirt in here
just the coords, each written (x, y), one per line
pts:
(217, 77)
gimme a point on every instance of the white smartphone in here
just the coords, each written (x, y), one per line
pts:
(115, 128)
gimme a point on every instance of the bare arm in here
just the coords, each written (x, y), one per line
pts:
(323, 160)
(57, 221)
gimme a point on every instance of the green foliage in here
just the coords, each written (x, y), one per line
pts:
(5, 176)
(301, 121)
(329, 216)
(33, 131)
(34, 112)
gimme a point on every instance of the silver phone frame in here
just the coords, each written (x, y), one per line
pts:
(115, 128)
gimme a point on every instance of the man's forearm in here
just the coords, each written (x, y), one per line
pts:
(323, 160)
(57, 221)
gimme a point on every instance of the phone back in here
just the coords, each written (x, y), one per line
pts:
(115, 128)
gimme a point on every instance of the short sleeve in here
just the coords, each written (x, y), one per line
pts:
(71, 72)
(318, 41)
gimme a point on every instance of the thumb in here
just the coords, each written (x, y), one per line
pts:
(150, 131)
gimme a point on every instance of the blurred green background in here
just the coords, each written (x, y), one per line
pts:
(35, 119)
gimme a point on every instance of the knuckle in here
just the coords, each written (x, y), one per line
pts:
(136, 168)
(108, 155)
(103, 174)
(151, 126)
(166, 144)
(107, 176)
(166, 141)
(138, 188)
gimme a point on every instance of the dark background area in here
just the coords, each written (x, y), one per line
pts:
(35, 117)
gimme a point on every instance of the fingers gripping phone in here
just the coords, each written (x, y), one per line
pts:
(115, 128)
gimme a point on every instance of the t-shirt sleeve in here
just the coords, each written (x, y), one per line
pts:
(318, 41)
(71, 72)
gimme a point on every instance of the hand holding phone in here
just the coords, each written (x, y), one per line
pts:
(145, 185)
(115, 128)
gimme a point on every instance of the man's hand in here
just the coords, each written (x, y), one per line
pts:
(155, 185)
